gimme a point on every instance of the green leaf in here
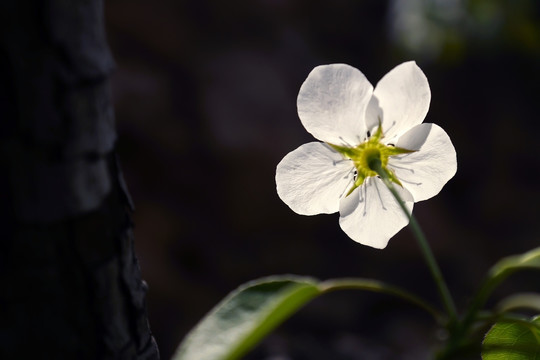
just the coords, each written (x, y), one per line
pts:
(249, 313)
(513, 340)
(511, 264)
(244, 317)
(498, 273)
(519, 301)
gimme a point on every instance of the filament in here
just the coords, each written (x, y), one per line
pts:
(411, 182)
(401, 168)
(365, 197)
(379, 194)
(335, 162)
(345, 142)
(349, 183)
(391, 126)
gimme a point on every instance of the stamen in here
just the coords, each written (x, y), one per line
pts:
(400, 156)
(365, 196)
(405, 169)
(335, 162)
(411, 182)
(350, 181)
(353, 170)
(401, 168)
(346, 188)
(391, 126)
(345, 142)
(379, 194)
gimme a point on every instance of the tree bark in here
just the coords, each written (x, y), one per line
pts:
(70, 284)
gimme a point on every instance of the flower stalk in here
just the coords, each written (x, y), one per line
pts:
(448, 302)
(380, 287)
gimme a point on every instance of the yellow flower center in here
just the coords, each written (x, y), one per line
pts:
(367, 154)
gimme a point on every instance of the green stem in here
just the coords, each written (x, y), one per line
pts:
(446, 298)
(476, 304)
(379, 287)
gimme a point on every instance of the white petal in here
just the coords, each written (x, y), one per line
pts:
(371, 215)
(332, 103)
(425, 171)
(312, 178)
(400, 100)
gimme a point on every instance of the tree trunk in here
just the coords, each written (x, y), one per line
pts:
(70, 285)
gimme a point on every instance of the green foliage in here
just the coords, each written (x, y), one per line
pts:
(510, 264)
(501, 270)
(252, 311)
(519, 301)
(244, 317)
(513, 340)
(249, 313)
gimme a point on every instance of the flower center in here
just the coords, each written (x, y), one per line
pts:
(368, 155)
(364, 156)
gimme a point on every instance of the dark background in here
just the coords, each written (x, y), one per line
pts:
(205, 98)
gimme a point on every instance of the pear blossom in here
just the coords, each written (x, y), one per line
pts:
(356, 124)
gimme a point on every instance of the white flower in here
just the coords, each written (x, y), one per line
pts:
(338, 106)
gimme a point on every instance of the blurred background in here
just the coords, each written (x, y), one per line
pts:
(205, 98)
